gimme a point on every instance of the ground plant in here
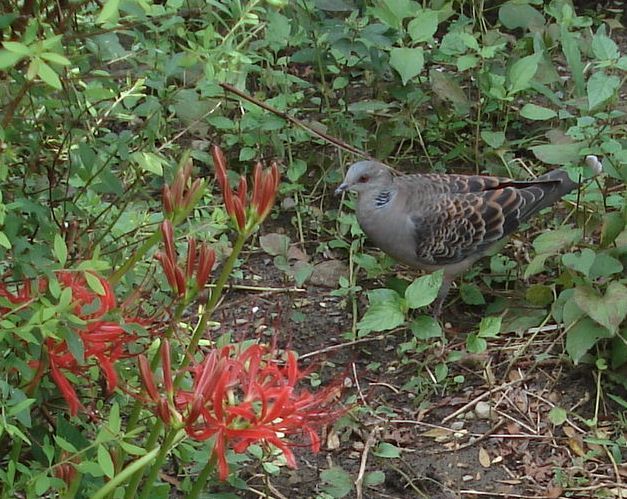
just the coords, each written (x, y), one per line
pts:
(186, 309)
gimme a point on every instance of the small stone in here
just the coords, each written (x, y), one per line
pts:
(483, 410)
(288, 203)
(327, 274)
(468, 478)
(457, 425)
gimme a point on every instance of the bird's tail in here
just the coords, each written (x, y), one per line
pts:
(566, 183)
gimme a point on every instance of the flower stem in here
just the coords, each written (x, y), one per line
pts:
(125, 474)
(150, 445)
(171, 438)
(216, 293)
(203, 476)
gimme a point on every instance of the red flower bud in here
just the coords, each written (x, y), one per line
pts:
(206, 260)
(191, 257)
(167, 231)
(240, 215)
(219, 162)
(148, 378)
(166, 197)
(166, 366)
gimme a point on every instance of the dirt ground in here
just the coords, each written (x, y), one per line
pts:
(488, 436)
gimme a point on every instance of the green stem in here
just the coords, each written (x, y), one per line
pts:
(131, 490)
(135, 257)
(201, 479)
(125, 474)
(216, 293)
(171, 437)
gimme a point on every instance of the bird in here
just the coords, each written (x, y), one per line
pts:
(438, 221)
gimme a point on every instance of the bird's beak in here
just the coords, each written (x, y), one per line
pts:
(343, 187)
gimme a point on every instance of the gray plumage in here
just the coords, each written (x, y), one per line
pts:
(434, 221)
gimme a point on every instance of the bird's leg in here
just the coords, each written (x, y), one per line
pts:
(439, 301)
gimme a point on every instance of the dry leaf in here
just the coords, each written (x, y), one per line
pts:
(576, 445)
(484, 457)
(438, 433)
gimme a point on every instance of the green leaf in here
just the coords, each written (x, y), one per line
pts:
(539, 295)
(60, 249)
(601, 88)
(408, 62)
(381, 316)
(65, 445)
(425, 327)
(149, 162)
(557, 416)
(445, 87)
(337, 482)
(521, 72)
(18, 48)
(471, 294)
(94, 284)
(374, 478)
(603, 47)
(570, 48)
(109, 11)
(493, 139)
(613, 225)
(9, 59)
(4, 241)
(131, 449)
(105, 461)
(55, 58)
(422, 27)
(474, 344)
(424, 290)
(558, 154)
(520, 15)
(535, 112)
(465, 62)
(551, 242)
(114, 422)
(490, 327)
(580, 261)
(604, 266)
(387, 451)
(583, 336)
(48, 75)
(608, 310)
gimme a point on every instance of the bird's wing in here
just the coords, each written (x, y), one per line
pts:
(451, 227)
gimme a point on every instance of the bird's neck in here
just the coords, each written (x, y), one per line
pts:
(383, 197)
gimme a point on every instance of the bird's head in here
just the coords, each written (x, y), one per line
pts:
(365, 175)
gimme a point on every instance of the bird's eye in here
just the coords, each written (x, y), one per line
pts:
(363, 179)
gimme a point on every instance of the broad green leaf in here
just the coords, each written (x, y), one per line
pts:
(521, 72)
(580, 261)
(604, 266)
(558, 154)
(381, 316)
(557, 416)
(493, 139)
(48, 75)
(109, 11)
(337, 482)
(613, 225)
(603, 47)
(422, 27)
(445, 87)
(490, 327)
(474, 344)
(424, 290)
(149, 162)
(520, 15)
(553, 241)
(583, 336)
(105, 461)
(539, 295)
(471, 294)
(387, 451)
(65, 445)
(60, 249)
(465, 62)
(114, 419)
(408, 62)
(535, 112)
(601, 88)
(374, 478)
(425, 327)
(608, 310)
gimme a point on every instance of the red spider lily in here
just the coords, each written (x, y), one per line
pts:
(182, 194)
(265, 185)
(103, 341)
(200, 261)
(242, 398)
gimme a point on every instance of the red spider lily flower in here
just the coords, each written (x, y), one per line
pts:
(103, 341)
(199, 261)
(246, 397)
(181, 194)
(247, 215)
